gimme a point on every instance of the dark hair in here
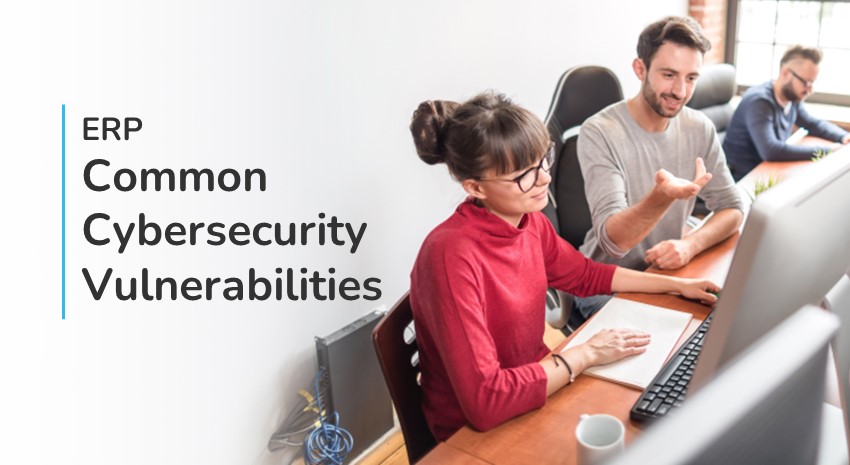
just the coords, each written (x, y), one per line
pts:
(486, 132)
(682, 30)
(798, 51)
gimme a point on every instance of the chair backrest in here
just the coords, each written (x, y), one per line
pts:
(395, 344)
(581, 92)
(713, 95)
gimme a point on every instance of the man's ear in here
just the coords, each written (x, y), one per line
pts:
(784, 74)
(639, 68)
(473, 188)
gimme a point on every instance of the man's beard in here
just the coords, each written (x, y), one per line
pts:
(788, 92)
(655, 103)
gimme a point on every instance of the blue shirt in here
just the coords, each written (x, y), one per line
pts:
(760, 127)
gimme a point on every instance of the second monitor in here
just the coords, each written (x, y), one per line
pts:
(794, 247)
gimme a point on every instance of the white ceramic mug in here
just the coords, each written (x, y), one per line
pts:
(599, 437)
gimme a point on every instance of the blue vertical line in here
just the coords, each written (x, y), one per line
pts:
(63, 211)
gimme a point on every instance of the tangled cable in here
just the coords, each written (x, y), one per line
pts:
(328, 443)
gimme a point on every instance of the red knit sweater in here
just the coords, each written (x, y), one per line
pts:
(478, 294)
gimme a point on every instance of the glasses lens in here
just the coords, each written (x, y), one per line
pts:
(806, 84)
(528, 180)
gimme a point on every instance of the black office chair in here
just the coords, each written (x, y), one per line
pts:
(713, 95)
(581, 92)
(395, 344)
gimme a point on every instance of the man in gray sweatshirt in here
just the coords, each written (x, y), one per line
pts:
(645, 160)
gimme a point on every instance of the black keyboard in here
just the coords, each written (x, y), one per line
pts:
(670, 385)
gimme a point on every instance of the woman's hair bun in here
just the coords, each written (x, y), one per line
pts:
(428, 127)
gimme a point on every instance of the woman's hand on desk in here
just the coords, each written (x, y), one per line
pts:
(606, 346)
(626, 280)
(698, 289)
(610, 345)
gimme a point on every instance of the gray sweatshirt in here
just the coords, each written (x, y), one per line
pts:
(619, 159)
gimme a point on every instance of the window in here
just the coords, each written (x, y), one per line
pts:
(766, 28)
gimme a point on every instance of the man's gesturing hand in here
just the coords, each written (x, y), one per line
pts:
(678, 188)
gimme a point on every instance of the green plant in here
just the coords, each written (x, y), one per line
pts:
(762, 184)
(820, 154)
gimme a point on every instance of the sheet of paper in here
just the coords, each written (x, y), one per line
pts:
(664, 325)
(798, 135)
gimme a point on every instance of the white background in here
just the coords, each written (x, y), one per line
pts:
(318, 94)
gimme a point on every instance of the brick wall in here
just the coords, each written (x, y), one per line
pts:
(711, 14)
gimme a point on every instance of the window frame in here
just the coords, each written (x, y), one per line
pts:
(732, 42)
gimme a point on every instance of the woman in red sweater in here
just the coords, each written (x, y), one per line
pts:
(478, 287)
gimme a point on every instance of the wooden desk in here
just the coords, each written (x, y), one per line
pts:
(445, 453)
(546, 436)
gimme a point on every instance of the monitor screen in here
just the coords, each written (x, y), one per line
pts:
(764, 407)
(794, 247)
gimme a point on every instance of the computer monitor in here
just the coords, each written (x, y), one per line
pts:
(838, 302)
(763, 407)
(794, 246)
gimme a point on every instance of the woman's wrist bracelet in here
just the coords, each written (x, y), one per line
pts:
(556, 357)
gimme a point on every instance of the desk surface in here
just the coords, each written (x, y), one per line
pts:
(445, 453)
(547, 435)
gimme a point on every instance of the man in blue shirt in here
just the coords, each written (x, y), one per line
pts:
(767, 112)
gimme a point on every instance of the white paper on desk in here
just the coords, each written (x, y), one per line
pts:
(664, 325)
(798, 135)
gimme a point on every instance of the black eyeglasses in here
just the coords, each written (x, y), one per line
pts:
(807, 84)
(528, 179)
